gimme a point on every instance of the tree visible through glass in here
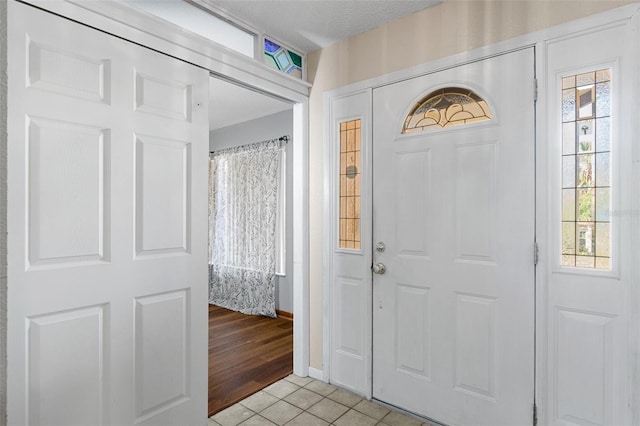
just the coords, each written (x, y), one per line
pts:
(586, 170)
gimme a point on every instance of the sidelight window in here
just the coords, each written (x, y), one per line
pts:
(350, 163)
(586, 170)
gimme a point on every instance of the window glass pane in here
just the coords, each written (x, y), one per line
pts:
(201, 22)
(603, 239)
(586, 205)
(586, 101)
(603, 99)
(586, 170)
(282, 59)
(569, 205)
(569, 82)
(568, 105)
(569, 171)
(569, 138)
(585, 234)
(350, 203)
(446, 107)
(603, 75)
(603, 132)
(602, 204)
(587, 78)
(585, 130)
(568, 238)
(602, 169)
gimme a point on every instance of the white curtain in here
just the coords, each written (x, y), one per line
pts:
(244, 197)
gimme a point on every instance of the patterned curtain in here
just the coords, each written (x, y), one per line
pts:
(243, 209)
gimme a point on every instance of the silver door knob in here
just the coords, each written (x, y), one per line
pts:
(379, 268)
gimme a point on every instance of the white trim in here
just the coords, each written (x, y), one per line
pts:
(625, 14)
(328, 220)
(542, 201)
(634, 205)
(300, 248)
(317, 374)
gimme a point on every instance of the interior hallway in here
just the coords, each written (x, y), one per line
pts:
(246, 353)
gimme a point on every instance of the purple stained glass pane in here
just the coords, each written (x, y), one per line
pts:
(270, 46)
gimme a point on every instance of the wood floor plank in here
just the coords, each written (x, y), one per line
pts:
(246, 354)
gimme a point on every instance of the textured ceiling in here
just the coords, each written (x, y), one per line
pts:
(304, 25)
(308, 25)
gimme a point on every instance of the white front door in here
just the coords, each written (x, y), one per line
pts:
(453, 314)
(107, 214)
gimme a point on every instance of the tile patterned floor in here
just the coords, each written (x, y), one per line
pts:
(302, 401)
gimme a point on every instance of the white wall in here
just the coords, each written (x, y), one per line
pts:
(269, 127)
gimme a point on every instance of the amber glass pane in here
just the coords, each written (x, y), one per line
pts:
(446, 107)
(349, 204)
(586, 170)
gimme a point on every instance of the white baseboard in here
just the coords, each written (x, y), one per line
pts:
(317, 374)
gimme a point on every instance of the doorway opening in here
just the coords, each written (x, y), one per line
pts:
(249, 352)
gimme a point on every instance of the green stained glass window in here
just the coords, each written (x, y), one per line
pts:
(586, 170)
(282, 59)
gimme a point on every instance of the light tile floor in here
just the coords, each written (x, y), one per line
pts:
(302, 401)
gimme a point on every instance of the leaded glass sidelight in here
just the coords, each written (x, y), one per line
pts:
(586, 170)
(446, 107)
(349, 214)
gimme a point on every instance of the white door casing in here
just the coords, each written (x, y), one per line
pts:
(107, 149)
(453, 316)
(587, 310)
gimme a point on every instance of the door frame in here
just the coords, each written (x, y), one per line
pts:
(341, 102)
(122, 21)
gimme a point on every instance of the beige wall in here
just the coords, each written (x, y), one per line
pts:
(452, 27)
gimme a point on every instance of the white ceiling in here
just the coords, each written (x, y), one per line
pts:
(230, 104)
(308, 25)
(304, 25)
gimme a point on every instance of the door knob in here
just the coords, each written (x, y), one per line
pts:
(379, 268)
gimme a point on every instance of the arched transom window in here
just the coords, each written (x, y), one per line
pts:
(445, 107)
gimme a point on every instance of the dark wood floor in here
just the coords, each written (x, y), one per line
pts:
(246, 354)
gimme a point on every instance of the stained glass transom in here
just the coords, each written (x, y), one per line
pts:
(586, 170)
(349, 227)
(282, 59)
(445, 107)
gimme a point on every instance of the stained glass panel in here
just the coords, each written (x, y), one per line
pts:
(586, 170)
(446, 107)
(282, 59)
(349, 205)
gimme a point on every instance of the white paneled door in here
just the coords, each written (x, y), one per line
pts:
(107, 186)
(453, 312)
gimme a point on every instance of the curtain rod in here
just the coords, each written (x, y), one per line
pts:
(284, 139)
